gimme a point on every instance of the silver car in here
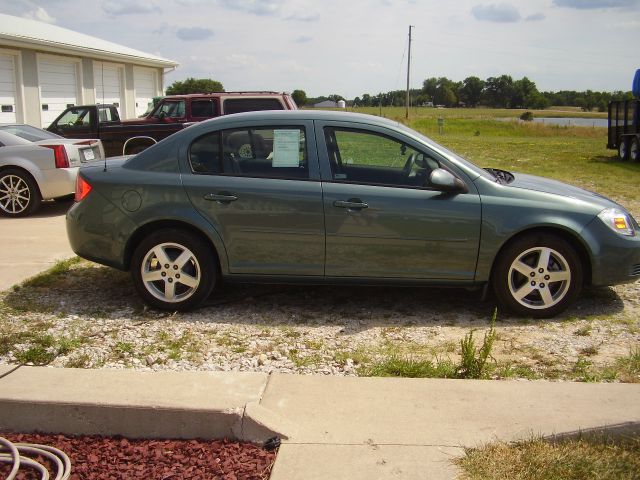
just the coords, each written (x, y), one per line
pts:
(37, 165)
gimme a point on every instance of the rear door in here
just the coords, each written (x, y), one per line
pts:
(260, 188)
(382, 218)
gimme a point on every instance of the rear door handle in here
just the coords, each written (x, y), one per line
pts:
(222, 197)
(352, 203)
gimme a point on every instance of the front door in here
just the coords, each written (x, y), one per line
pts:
(382, 218)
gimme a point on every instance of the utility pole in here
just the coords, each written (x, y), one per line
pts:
(408, 72)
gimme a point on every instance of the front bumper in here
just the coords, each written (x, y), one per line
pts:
(615, 258)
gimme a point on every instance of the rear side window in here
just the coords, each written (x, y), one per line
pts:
(203, 109)
(239, 105)
(261, 152)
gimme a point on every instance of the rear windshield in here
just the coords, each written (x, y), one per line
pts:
(28, 132)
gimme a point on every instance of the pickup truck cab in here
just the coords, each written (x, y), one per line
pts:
(171, 114)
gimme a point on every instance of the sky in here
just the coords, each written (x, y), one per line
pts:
(351, 47)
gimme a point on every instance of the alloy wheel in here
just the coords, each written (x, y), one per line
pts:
(539, 278)
(171, 272)
(14, 194)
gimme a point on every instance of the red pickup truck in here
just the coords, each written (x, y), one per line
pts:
(172, 113)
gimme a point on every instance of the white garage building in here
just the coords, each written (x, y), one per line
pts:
(45, 69)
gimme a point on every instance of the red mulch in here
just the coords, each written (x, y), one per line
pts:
(116, 458)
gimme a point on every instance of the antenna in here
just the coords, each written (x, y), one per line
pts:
(408, 72)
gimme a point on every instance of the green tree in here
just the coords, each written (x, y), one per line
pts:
(471, 91)
(194, 85)
(498, 91)
(300, 97)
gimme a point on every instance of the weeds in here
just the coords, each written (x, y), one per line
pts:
(473, 362)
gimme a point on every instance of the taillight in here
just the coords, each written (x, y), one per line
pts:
(82, 188)
(60, 154)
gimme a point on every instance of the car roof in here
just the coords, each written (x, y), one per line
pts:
(300, 115)
(223, 94)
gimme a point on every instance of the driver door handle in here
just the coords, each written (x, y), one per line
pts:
(222, 197)
(352, 204)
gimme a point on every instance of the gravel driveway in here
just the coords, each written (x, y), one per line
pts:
(90, 317)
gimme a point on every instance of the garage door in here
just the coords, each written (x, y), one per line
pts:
(144, 83)
(108, 84)
(7, 89)
(58, 87)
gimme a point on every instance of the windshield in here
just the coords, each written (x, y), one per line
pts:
(28, 132)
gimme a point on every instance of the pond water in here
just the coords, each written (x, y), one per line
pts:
(572, 122)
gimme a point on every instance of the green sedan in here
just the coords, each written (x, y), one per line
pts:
(334, 197)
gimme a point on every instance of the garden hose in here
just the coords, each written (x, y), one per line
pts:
(11, 453)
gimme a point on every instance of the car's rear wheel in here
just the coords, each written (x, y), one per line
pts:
(537, 275)
(19, 194)
(634, 150)
(173, 269)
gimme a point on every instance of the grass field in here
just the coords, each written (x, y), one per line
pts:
(576, 155)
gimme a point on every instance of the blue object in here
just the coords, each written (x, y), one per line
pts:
(635, 88)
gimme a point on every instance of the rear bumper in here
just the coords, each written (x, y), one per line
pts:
(57, 182)
(101, 235)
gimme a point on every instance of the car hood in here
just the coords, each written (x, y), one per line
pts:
(546, 185)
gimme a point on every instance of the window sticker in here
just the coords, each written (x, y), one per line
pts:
(286, 148)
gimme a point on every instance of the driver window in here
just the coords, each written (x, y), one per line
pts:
(365, 157)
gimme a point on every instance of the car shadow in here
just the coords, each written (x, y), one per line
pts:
(96, 291)
(53, 208)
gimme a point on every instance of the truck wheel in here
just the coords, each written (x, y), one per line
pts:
(19, 194)
(634, 150)
(623, 149)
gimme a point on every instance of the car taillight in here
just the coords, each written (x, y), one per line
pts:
(60, 154)
(82, 188)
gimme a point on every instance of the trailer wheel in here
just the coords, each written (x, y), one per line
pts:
(634, 150)
(623, 149)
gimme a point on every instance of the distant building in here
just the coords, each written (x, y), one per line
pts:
(45, 69)
(326, 104)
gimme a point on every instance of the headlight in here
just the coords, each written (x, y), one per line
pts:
(618, 221)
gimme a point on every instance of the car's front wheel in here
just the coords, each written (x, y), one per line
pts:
(19, 194)
(537, 275)
(173, 270)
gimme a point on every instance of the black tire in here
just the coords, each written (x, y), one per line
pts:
(19, 193)
(170, 291)
(634, 150)
(623, 149)
(527, 284)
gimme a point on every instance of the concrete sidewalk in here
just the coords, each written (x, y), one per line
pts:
(332, 427)
(33, 244)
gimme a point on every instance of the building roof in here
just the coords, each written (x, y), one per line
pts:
(25, 33)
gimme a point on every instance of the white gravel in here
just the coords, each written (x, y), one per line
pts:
(95, 320)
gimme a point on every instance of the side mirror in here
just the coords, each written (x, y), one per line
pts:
(161, 115)
(447, 182)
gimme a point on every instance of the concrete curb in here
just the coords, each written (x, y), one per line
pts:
(203, 405)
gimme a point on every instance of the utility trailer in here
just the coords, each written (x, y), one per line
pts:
(624, 124)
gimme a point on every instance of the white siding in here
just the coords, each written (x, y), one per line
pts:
(107, 79)
(144, 85)
(7, 89)
(58, 87)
